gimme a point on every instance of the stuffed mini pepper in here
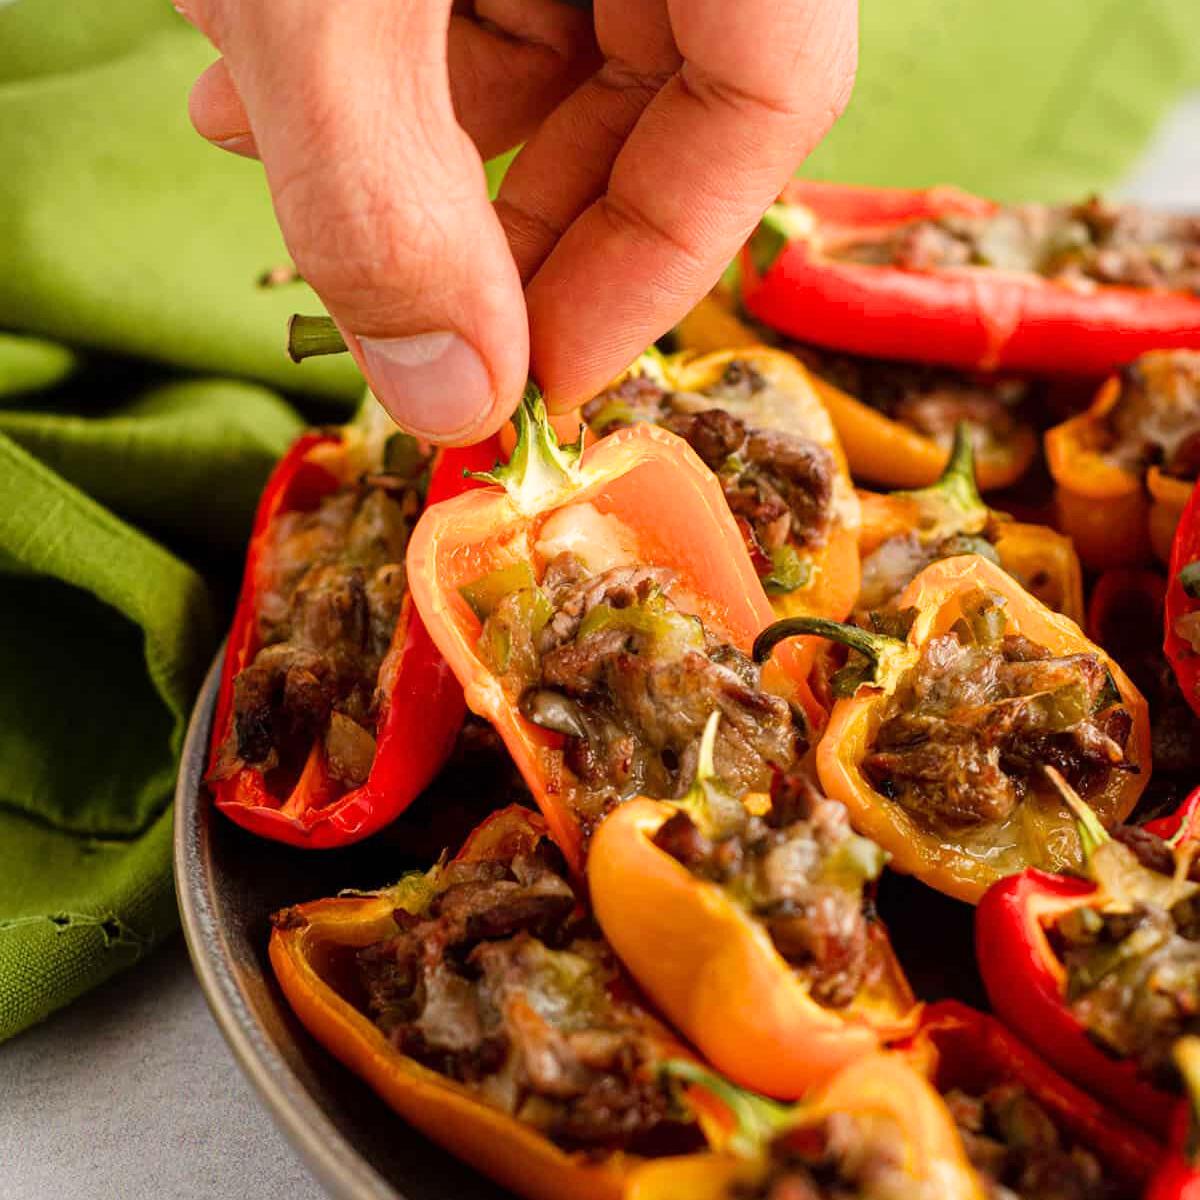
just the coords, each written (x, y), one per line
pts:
(878, 1130)
(779, 971)
(903, 532)
(896, 420)
(1102, 972)
(941, 276)
(1124, 469)
(597, 608)
(328, 673)
(478, 1001)
(755, 420)
(949, 708)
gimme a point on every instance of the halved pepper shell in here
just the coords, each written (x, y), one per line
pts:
(422, 708)
(935, 593)
(878, 449)
(654, 484)
(977, 318)
(713, 970)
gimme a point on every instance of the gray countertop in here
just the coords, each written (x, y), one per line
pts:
(131, 1091)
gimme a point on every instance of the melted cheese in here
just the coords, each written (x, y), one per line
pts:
(599, 540)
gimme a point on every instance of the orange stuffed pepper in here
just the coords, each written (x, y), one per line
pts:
(475, 1002)
(1124, 469)
(755, 420)
(777, 970)
(896, 421)
(947, 713)
(597, 608)
(902, 532)
(878, 1128)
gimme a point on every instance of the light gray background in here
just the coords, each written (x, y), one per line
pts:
(132, 1093)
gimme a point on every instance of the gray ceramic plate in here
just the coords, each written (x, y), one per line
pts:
(229, 883)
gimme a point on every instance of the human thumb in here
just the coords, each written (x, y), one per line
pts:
(383, 201)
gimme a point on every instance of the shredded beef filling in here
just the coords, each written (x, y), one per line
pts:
(967, 732)
(502, 985)
(1156, 419)
(1089, 242)
(843, 1158)
(630, 680)
(1133, 979)
(804, 873)
(330, 588)
(778, 485)
(931, 400)
(1019, 1152)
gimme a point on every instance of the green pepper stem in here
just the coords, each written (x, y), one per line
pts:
(1092, 835)
(1189, 580)
(308, 337)
(698, 801)
(542, 472)
(757, 1120)
(780, 224)
(957, 481)
(952, 505)
(874, 646)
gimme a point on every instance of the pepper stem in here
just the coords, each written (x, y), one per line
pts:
(308, 337)
(711, 808)
(888, 657)
(957, 481)
(1186, 1053)
(1092, 835)
(780, 224)
(952, 505)
(542, 472)
(757, 1120)
(1189, 580)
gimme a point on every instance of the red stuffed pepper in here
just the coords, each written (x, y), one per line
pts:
(335, 709)
(1182, 634)
(1022, 1122)
(943, 276)
(597, 608)
(1103, 974)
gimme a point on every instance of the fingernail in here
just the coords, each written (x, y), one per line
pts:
(434, 384)
(241, 143)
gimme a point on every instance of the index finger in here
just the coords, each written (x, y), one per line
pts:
(708, 156)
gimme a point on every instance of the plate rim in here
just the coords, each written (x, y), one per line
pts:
(331, 1156)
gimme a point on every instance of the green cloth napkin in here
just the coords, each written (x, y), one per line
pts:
(1015, 99)
(140, 371)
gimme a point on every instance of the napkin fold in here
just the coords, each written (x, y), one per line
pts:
(143, 384)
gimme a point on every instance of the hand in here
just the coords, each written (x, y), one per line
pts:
(657, 132)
